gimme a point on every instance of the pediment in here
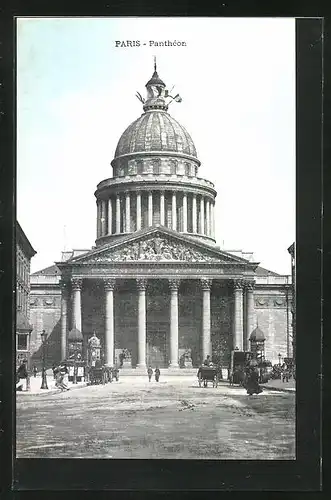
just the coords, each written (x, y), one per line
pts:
(157, 246)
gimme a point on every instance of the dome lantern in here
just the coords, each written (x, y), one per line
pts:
(156, 93)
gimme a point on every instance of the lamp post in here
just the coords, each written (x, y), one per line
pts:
(44, 377)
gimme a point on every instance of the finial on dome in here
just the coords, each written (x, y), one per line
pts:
(155, 64)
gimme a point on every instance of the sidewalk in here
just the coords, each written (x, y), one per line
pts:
(278, 385)
(35, 384)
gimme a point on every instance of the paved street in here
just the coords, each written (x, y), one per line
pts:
(174, 418)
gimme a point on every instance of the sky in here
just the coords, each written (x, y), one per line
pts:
(76, 96)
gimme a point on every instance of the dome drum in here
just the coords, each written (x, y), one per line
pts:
(124, 211)
(155, 164)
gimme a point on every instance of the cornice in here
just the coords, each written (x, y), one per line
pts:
(155, 182)
(161, 153)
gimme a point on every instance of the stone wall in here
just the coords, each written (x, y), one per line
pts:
(273, 316)
(45, 314)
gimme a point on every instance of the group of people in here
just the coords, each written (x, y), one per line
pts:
(157, 373)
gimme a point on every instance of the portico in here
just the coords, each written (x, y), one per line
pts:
(155, 306)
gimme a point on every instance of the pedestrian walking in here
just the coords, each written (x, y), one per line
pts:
(252, 384)
(21, 374)
(157, 374)
(35, 371)
(149, 373)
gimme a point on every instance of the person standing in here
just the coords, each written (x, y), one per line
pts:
(35, 371)
(149, 373)
(157, 374)
(59, 373)
(252, 385)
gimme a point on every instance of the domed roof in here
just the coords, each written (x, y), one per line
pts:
(75, 335)
(155, 80)
(155, 131)
(257, 335)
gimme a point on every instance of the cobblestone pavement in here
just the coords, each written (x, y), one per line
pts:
(174, 418)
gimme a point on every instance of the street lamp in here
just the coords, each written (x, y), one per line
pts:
(44, 377)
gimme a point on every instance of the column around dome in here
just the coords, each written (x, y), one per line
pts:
(150, 208)
(127, 213)
(162, 219)
(174, 211)
(207, 230)
(98, 219)
(184, 213)
(202, 216)
(138, 207)
(194, 213)
(118, 214)
(110, 217)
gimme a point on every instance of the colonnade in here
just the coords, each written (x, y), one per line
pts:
(132, 211)
(242, 316)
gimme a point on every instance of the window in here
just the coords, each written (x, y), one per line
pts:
(22, 342)
(187, 169)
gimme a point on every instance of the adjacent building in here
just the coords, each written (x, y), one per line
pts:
(24, 253)
(156, 285)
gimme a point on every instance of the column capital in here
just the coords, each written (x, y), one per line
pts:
(238, 284)
(141, 284)
(76, 283)
(206, 283)
(249, 285)
(109, 284)
(174, 284)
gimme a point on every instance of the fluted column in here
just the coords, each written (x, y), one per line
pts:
(202, 215)
(174, 285)
(174, 210)
(138, 211)
(98, 219)
(238, 314)
(118, 214)
(212, 218)
(184, 213)
(206, 337)
(194, 213)
(150, 209)
(110, 217)
(207, 218)
(76, 286)
(141, 284)
(64, 318)
(103, 217)
(127, 213)
(109, 285)
(249, 312)
(162, 208)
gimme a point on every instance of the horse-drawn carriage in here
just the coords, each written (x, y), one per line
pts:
(208, 374)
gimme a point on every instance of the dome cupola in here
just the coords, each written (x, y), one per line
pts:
(155, 176)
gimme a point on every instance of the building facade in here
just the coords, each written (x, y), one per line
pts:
(156, 285)
(24, 253)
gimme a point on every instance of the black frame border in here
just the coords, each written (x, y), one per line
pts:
(303, 474)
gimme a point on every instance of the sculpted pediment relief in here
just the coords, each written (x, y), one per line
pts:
(157, 248)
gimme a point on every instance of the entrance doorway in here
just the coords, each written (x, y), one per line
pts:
(156, 352)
